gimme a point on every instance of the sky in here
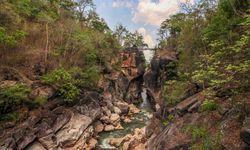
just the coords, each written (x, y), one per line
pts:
(144, 16)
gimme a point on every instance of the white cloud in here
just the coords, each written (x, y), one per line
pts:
(142, 31)
(155, 13)
(122, 3)
(146, 37)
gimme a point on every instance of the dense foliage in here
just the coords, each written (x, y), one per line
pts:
(212, 40)
(12, 96)
(67, 37)
(68, 41)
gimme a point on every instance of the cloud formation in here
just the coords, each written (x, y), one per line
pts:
(155, 13)
(122, 3)
(146, 37)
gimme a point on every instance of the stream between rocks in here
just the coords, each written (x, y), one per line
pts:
(140, 120)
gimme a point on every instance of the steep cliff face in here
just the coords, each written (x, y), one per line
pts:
(127, 83)
(162, 68)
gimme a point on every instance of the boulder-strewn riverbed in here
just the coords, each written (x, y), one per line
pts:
(133, 125)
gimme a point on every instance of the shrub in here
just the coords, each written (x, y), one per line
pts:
(86, 78)
(208, 105)
(69, 82)
(39, 101)
(9, 116)
(12, 96)
(65, 82)
(200, 137)
(11, 39)
(173, 91)
(198, 132)
(168, 119)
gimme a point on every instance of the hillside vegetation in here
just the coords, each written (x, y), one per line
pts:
(59, 42)
(212, 42)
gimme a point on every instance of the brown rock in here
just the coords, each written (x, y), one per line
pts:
(105, 119)
(106, 111)
(114, 119)
(123, 107)
(117, 110)
(140, 147)
(92, 143)
(133, 109)
(126, 145)
(109, 128)
(7, 83)
(98, 126)
(119, 127)
(45, 91)
(116, 141)
(189, 102)
(127, 120)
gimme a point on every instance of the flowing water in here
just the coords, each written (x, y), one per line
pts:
(139, 121)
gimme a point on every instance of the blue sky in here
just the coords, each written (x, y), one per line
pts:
(144, 16)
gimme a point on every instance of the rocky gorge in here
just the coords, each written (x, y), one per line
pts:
(78, 125)
(118, 118)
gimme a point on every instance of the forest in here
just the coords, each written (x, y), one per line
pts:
(54, 54)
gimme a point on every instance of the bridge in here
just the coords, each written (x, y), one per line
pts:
(134, 49)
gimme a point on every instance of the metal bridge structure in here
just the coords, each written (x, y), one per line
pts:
(133, 49)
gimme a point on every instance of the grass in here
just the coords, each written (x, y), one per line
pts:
(209, 106)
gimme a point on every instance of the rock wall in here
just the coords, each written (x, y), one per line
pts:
(127, 83)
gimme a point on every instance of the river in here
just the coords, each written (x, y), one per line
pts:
(140, 120)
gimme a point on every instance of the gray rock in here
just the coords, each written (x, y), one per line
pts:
(72, 131)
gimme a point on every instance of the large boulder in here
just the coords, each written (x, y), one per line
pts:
(114, 119)
(117, 110)
(124, 107)
(98, 126)
(72, 131)
(109, 128)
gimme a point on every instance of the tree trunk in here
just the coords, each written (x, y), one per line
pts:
(47, 44)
